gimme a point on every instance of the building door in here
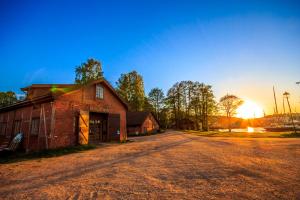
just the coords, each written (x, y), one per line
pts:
(98, 128)
(114, 126)
(83, 135)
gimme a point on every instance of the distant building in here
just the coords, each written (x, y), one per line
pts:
(60, 115)
(141, 123)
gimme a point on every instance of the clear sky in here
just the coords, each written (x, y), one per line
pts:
(240, 47)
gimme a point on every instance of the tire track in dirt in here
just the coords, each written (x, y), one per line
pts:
(41, 181)
(140, 139)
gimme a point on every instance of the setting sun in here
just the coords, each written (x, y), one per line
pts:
(249, 109)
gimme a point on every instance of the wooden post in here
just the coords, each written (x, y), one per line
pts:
(52, 123)
(45, 127)
(12, 126)
(29, 130)
(41, 110)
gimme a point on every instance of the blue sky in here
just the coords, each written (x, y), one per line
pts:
(240, 47)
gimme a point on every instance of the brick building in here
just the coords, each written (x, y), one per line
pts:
(141, 122)
(60, 115)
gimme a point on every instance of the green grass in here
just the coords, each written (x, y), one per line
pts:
(21, 156)
(244, 134)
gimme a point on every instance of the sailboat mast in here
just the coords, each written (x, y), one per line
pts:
(276, 108)
(283, 106)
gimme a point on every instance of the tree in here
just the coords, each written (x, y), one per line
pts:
(190, 104)
(7, 98)
(130, 87)
(89, 71)
(174, 103)
(156, 99)
(147, 105)
(203, 104)
(229, 104)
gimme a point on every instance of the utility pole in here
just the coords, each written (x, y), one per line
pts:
(286, 95)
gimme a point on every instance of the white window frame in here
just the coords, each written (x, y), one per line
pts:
(99, 91)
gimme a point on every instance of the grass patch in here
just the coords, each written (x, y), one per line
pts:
(244, 134)
(11, 157)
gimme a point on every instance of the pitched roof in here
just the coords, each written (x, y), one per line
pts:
(111, 89)
(51, 96)
(19, 104)
(137, 118)
(48, 86)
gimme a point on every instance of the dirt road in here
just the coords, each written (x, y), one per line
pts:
(172, 165)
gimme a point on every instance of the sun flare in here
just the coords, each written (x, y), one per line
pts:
(249, 109)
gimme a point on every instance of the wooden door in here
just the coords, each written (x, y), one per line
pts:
(114, 126)
(95, 133)
(83, 137)
(104, 130)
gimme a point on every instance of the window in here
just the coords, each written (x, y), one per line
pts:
(17, 126)
(35, 125)
(99, 92)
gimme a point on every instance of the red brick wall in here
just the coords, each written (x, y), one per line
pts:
(61, 132)
(150, 124)
(68, 105)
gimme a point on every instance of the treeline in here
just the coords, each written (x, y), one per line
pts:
(7, 98)
(186, 105)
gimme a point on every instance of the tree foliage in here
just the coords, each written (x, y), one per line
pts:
(229, 104)
(156, 98)
(7, 98)
(130, 86)
(89, 71)
(147, 105)
(190, 104)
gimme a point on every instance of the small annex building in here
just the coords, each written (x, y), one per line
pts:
(141, 123)
(61, 115)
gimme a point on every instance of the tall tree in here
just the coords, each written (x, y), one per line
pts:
(147, 105)
(229, 104)
(174, 102)
(89, 71)
(190, 104)
(130, 86)
(156, 99)
(202, 103)
(7, 98)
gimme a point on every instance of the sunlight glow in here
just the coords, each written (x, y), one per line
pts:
(250, 130)
(249, 109)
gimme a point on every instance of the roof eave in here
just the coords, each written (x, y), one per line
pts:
(25, 103)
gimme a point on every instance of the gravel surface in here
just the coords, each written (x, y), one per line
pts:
(172, 165)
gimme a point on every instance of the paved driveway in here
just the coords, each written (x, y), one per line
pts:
(172, 165)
